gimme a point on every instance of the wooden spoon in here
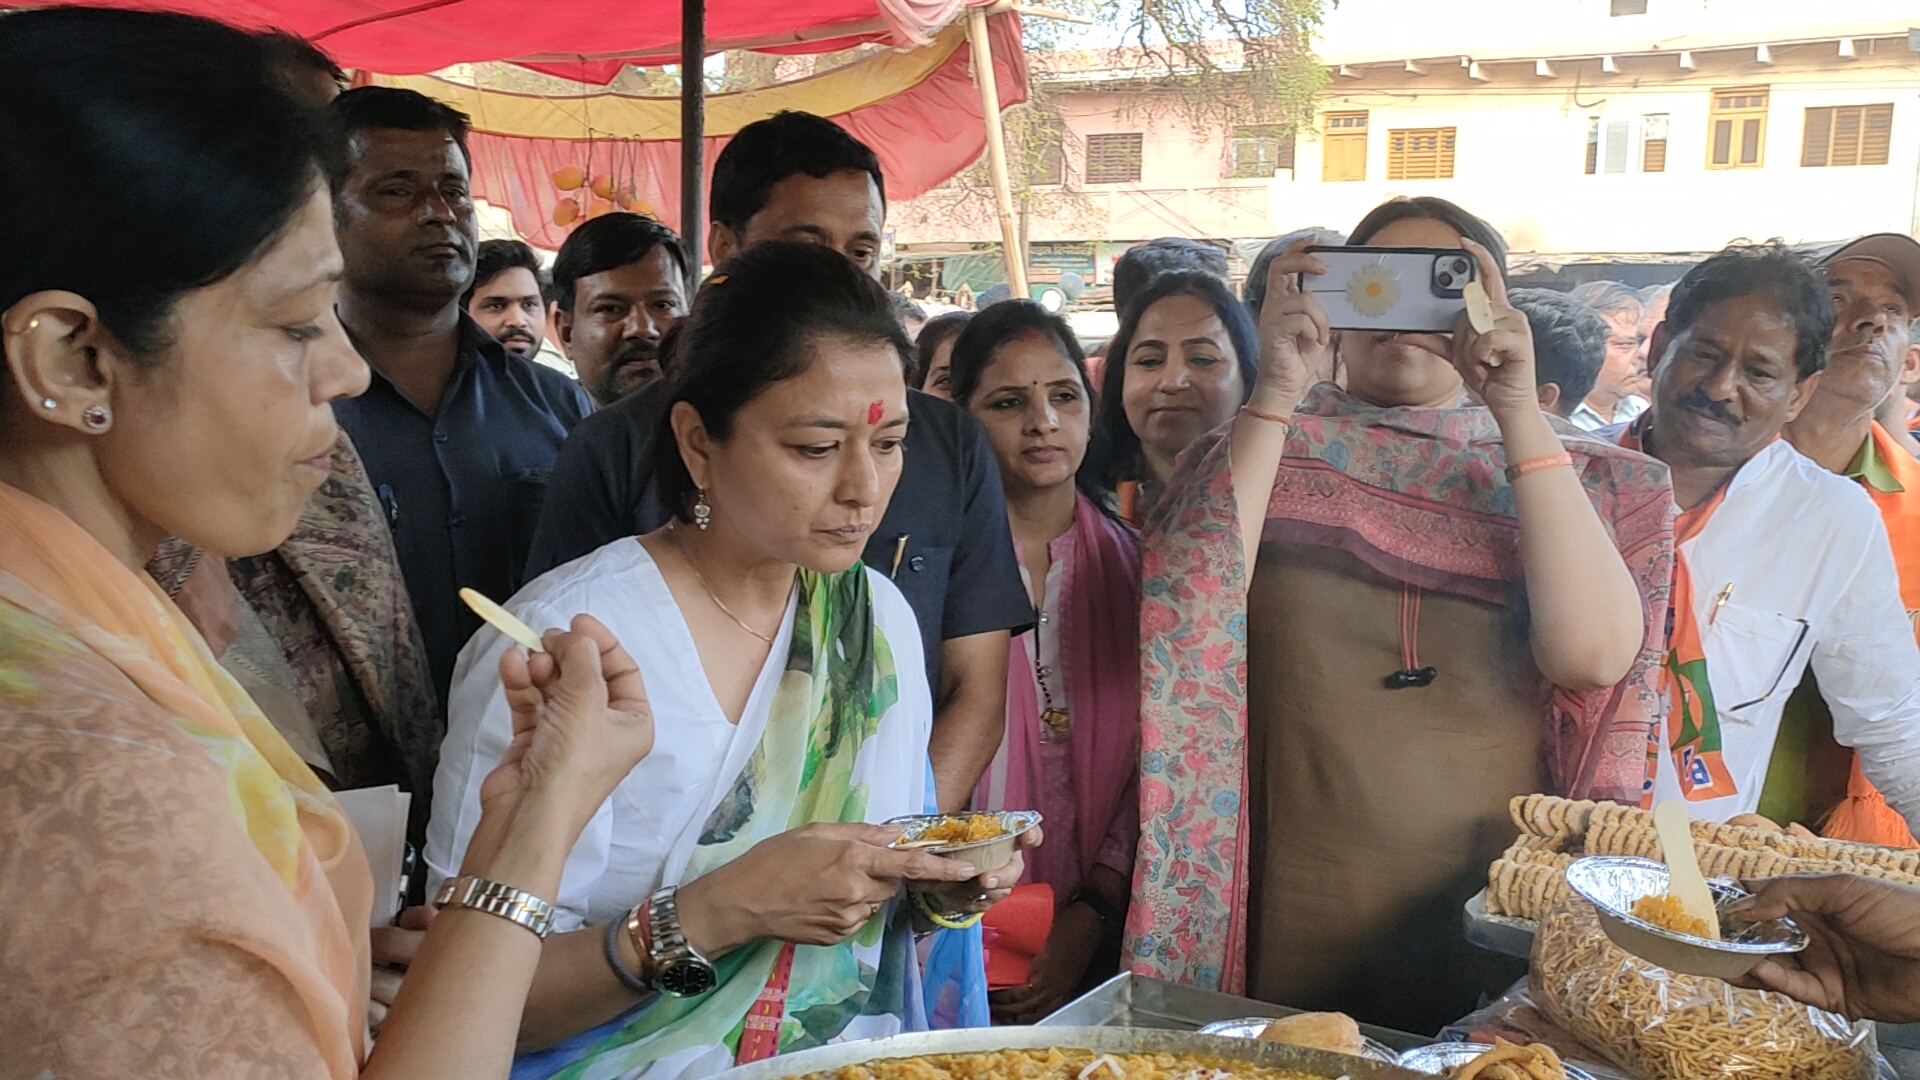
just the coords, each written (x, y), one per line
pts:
(1685, 883)
(502, 620)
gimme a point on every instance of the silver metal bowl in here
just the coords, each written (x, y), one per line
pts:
(1613, 883)
(1099, 1040)
(1252, 1026)
(1436, 1059)
(982, 855)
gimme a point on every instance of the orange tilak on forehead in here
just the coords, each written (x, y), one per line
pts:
(874, 412)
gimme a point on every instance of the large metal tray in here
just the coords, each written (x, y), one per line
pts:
(1134, 1001)
(1100, 1040)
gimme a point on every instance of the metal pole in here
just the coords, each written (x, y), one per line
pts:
(997, 151)
(693, 132)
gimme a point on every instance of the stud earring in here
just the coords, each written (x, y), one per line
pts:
(33, 324)
(49, 404)
(97, 418)
(702, 512)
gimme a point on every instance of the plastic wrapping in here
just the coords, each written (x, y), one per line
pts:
(1514, 1017)
(1658, 1025)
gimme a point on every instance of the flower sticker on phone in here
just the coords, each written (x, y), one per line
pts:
(1373, 290)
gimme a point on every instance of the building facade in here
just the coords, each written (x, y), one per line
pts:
(1575, 126)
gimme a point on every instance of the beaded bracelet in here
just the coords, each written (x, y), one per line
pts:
(1539, 464)
(944, 922)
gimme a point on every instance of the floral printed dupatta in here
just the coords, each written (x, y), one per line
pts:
(824, 755)
(1416, 494)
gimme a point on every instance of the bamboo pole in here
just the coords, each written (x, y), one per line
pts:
(983, 77)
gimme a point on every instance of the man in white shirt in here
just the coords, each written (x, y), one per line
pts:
(1781, 564)
(1612, 401)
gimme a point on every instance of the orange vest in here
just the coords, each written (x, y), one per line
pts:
(1865, 815)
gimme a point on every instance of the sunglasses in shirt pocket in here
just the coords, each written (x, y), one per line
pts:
(1756, 657)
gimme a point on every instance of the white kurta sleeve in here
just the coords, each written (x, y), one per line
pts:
(479, 730)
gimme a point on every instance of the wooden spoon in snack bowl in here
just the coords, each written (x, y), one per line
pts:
(1685, 882)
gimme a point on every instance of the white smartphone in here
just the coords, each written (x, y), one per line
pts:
(1408, 290)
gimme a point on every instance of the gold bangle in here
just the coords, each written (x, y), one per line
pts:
(942, 921)
(1273, 418)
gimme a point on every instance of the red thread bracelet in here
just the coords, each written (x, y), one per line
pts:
(1539, 464)
(1272, 418)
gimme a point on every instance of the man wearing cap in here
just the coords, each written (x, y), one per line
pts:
(1873, 283)
(1780, 565)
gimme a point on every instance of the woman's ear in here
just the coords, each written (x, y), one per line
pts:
(63, 359)
(696, 445)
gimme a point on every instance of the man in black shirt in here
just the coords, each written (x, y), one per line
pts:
(944, 540)
(458, 435)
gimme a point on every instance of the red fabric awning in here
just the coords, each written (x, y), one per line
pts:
(922, 135)
(585, 40)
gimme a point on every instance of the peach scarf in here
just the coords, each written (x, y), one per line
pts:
(93, 660)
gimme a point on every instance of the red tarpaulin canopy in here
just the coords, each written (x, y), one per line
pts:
(586, 40)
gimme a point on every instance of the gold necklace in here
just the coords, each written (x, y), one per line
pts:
(713, 596)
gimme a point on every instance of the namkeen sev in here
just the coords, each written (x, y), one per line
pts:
(1658, 1025)
(1058, 1064)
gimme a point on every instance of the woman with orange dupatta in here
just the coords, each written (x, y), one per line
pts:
(1071, 749)
(185, 898)
(1370, 617)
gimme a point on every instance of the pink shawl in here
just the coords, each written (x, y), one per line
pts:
(1417, 495)
(1099, 648)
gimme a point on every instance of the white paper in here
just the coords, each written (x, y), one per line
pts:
(379, 815)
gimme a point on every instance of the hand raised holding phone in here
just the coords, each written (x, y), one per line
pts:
(1496, 365)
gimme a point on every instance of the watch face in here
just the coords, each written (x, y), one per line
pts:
(687, 978)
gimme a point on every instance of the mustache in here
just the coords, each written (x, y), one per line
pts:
(516, 334)
(636, 350)
(1700, 402)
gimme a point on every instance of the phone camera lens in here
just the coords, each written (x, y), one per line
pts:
(1446, 280)
(1460, 266)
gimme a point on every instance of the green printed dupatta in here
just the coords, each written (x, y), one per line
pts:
(823, 755)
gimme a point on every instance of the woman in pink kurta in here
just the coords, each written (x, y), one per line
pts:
(1073, 706)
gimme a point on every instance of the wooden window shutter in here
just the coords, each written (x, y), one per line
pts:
(1114, 158)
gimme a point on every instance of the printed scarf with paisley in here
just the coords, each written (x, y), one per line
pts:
(1415, 494)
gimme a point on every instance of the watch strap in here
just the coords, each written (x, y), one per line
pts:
(517, 906)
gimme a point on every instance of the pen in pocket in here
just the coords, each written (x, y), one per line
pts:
(899, 552)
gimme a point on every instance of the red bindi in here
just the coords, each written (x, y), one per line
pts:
(874, 412)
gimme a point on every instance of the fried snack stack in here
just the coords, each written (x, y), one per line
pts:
(1529, 877)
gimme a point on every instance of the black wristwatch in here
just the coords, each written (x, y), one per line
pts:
(678, 967)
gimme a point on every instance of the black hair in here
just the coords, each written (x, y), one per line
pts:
(753, 324)
(294, 55)
(937, 330)
(1114, 456)
(992, 327)
(1786, 279)
(1608, 297)
(1141, 263)
(147, 155)
(1254, 290)
(1432, 208)
(768, 151)
(1569, 342)
(390, 108)
(496, 257)
(906, 307)
(610, 242)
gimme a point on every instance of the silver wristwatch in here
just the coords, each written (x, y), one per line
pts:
(509, 903)
(678, 968)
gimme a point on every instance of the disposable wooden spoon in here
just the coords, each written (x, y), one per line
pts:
(502, 620)
(1685, 883)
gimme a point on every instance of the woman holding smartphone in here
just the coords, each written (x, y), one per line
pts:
(1444, 605)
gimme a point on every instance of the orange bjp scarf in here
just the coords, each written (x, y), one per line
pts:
(53, 572)
(1864, 815)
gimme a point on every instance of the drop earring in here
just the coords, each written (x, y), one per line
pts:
(702, 511)
(97, 418)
